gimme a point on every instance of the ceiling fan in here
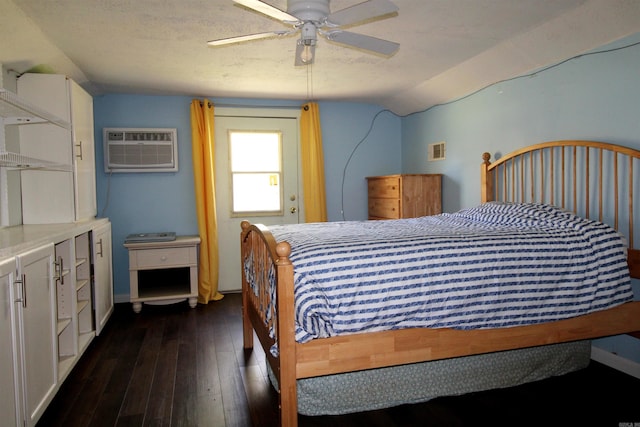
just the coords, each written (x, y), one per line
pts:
(313, 17)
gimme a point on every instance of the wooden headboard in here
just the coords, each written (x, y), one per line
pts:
(592, 179)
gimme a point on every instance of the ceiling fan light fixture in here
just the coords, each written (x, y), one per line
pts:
(306, 46)
(305, 52)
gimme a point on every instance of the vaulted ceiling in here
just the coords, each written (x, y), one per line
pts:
(448, 48)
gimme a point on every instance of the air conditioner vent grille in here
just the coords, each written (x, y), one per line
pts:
(436, 151)
(140, 150)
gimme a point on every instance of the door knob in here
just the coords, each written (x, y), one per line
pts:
(293, 209)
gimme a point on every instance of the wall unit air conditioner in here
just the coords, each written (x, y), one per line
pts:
(140, 150)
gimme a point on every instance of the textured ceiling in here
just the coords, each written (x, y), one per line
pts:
(448, 48)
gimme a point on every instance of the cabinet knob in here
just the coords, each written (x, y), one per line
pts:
(163, 258)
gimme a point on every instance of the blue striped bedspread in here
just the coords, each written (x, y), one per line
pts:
(493, 266)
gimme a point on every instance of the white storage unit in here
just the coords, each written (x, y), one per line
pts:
(55, 268)
(57, 294)
(70, 195)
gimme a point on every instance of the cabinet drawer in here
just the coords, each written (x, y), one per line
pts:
(388, 187)
(161, 258)
(384, 208)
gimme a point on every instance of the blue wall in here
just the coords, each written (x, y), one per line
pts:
(594, 97)
(149, 202)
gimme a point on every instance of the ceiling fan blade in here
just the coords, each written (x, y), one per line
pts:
(248, 37)
(360, 41)
(268, 10)
(362, 12)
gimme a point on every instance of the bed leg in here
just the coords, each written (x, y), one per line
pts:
(247, 329)
(288, 400)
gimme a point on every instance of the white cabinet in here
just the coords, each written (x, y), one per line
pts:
(37, 330)
(56, 294)
(103, 277)
(28, 354)
(58, 196)
(11, 403)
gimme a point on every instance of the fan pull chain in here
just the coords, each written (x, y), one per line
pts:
(310, 82)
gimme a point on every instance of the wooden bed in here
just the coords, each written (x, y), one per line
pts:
(593, 179)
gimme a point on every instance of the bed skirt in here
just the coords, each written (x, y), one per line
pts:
(419, 382)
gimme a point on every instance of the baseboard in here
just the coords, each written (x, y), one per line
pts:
(120, 298)
(616, 362)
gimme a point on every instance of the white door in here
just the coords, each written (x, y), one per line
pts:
(234, 132)
(84, 168)
(103, 280)
(11, 403)
(39, 333)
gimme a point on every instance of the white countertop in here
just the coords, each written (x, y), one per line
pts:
(20, 238)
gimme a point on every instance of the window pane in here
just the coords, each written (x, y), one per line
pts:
(256, 172)
(256, 192)
(255, 151)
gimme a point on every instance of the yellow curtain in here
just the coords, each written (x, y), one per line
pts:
(315, 205)
(203, 147)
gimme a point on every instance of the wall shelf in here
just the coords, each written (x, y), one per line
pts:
(18, 161)
(18, 112)
(15, 111)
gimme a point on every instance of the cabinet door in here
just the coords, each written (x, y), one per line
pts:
(103, 278)
(84, 152)
(10, 404)
(38, 330)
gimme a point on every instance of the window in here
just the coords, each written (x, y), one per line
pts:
(256, 172)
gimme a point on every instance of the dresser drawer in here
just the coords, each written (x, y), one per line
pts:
(385, 187)
(384, 208)
(161, 258)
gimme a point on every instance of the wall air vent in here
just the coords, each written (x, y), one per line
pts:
(140, 150)
(436, 151)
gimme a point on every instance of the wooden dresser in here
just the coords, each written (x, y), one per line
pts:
(404, 196)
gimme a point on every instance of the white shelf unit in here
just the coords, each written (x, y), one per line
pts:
(71, 195)
(65, 307)
(16, 111)
(84, 298)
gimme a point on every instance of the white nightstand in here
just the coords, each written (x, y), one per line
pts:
(163, 272)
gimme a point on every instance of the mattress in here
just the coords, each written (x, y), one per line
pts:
(496, 265)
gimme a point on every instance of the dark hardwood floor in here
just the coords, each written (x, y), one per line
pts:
(177, 366)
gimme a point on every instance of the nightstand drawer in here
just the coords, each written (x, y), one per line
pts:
(161, 258)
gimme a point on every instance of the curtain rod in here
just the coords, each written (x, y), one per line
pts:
(282, 107)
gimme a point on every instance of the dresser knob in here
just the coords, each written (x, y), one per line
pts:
(163, 258)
